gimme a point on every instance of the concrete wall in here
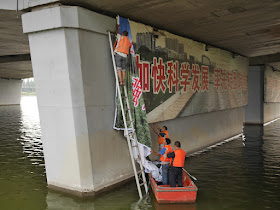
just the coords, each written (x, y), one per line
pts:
(271, 104)
(254, 110)
(271, 111)
(70, 50)
(10, 91)
(199, 131)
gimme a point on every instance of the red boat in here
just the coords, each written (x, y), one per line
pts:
(167, 194)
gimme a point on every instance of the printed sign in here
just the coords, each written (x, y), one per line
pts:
(181, 77)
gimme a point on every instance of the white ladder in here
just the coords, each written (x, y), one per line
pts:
(139, 175)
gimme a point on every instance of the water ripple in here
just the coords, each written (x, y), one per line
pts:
(241, 173)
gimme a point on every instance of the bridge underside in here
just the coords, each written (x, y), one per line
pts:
(250, 28)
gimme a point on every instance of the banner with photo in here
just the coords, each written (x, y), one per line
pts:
(135, 96)
(181, 77)
(271, 85)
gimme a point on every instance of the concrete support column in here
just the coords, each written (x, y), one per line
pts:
(75, 88)
(10, 91)
(254, 111)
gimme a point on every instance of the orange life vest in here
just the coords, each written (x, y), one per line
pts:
(124, 45)
(163, 158)
(179, 159)
(160, 139)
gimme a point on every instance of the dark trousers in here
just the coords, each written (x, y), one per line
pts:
(175, 176)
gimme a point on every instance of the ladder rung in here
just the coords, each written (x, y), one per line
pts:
(142, 184)
(140, 171)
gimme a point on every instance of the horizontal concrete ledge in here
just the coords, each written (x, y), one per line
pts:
(9, 104)
(269, 122)
(14, 58)
(266, 59)
(71, 192)
(29, 3)
(91, 193)
(5, 78)
(67, 17)
(253, 123)
(214, 144)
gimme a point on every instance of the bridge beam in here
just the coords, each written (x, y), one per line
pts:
(14, 58)
(266, 59)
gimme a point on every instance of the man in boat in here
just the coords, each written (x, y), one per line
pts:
(177, 163)
(162, 134)
(121, 50)
(165, 161)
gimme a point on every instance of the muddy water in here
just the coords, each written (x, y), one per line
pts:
(240, 174)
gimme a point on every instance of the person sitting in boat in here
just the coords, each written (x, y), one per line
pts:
(178, 160)
(165, 161)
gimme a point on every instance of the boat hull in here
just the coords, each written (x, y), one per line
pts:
(167, 194)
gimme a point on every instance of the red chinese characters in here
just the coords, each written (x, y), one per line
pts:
(185, 75)
(234, 86)
(172, 75)
(158, 74)
(230, 83)
(244, 84)
(205, 78)
(196, 77)
(217, 82)
(144, 73)
(239, 80)
(137, 91)
(224, 80)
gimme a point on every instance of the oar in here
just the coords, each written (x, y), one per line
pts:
(192, 177)
(148, 184)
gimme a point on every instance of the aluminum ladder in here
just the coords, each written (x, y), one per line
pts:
(139, 175)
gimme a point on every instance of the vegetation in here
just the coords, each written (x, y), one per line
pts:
(28, 87)
(139, 117)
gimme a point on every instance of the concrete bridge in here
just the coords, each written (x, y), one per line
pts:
(65, 43)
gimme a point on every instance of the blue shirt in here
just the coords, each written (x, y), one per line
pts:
(162, 151)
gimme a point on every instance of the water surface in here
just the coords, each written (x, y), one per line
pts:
(241, 174)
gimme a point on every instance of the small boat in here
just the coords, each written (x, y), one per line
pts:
(167, 194)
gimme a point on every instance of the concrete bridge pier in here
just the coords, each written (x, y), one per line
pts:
(75, 90)
(254, 110)
(10, 91)
(263, 98)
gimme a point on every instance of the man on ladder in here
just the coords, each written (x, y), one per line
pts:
(121, 51)
(123, 47)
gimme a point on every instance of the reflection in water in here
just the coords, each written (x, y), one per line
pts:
(240, 174)
(22, 173)
(164, 206)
